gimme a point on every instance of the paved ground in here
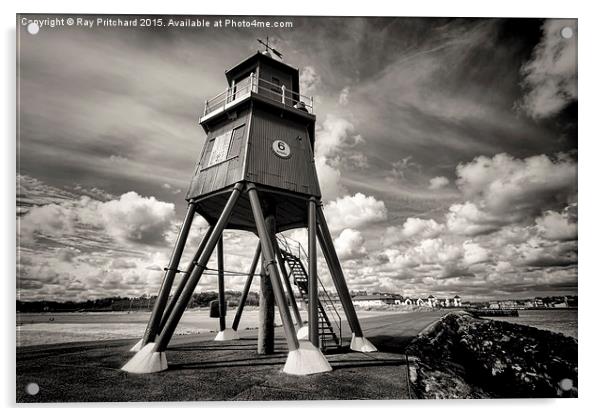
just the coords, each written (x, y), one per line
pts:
(201, 369)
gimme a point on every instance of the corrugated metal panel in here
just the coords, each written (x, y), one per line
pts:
(295, 173)
(212, 178)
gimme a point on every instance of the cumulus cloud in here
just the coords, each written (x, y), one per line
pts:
(136, 218)
(355, 212)
(504, 189)
(560, 226)
(412, 228)
(336, 142)
(350, 244)
(474, 253)
(336, 134)
(438, 182)
(550, 77)
(131, 218)
(468, 219)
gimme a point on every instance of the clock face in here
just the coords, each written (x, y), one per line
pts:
(281, 148)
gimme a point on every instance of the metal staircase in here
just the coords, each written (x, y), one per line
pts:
(329, 320)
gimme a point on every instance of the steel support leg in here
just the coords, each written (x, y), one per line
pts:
(182, 302)
(270, 265)
(220, 283)
(287, 282)
(245, 291)
(158, 309)
(265, 332)
(312, 311)
(184, 279)
(336, 271)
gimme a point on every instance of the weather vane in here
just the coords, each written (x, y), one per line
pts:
(268, 47)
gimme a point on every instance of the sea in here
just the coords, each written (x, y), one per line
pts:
(563, 321)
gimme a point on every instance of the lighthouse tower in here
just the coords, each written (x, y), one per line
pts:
(256, 173)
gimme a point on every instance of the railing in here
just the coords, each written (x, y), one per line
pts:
(267, 89)
(295, 248)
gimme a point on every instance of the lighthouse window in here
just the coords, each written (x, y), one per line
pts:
(219, 150)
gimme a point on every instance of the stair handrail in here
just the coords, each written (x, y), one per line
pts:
(334, 317)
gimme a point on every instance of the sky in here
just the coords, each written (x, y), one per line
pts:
(446, 152)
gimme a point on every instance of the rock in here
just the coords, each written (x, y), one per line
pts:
(461, 356)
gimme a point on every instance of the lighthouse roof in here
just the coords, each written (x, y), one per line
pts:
(253, 60)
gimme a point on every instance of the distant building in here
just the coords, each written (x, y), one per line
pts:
(457, 301)
(375, 300)
(432, 301)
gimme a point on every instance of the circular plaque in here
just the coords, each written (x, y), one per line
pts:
(281, 148)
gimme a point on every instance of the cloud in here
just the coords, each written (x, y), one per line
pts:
(412, 228)
(559, 226)
(438, 182)
(467, 219)
(309, 80)
(506, 189)
(400, 168)
(344, 95)
(334, 135)
(330, 179)
(350, 244)
(137, 219)
(550, 76)
(336, 143)
(474, 253)
(129, 219)
(355, 212)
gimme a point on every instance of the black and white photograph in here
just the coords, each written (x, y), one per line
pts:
(295, 208)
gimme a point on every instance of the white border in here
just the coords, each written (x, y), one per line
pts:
(589, 187)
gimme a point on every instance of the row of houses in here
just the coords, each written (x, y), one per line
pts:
(537, 303)
(387, 299)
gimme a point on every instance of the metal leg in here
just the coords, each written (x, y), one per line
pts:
(265, 333)
(220, 283)
(182, 302)
(313, 275)
(153, 324)
(245, 291)
(268, 253)
(287, 282)
(184, 279)
(337, 273)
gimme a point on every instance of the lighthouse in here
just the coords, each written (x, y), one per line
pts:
(256, 173)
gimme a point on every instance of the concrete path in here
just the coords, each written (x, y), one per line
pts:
(201, 369)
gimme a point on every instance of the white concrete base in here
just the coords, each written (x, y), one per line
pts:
(303, 333)
(137, 347)
(306, 360)
(361, 344)
(146, 361)
(227, 334)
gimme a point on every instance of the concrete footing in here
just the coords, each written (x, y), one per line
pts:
(303, 333)
(137, 347)
(306, 360)
(147, 360)
(361, 344)
(227, 334)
